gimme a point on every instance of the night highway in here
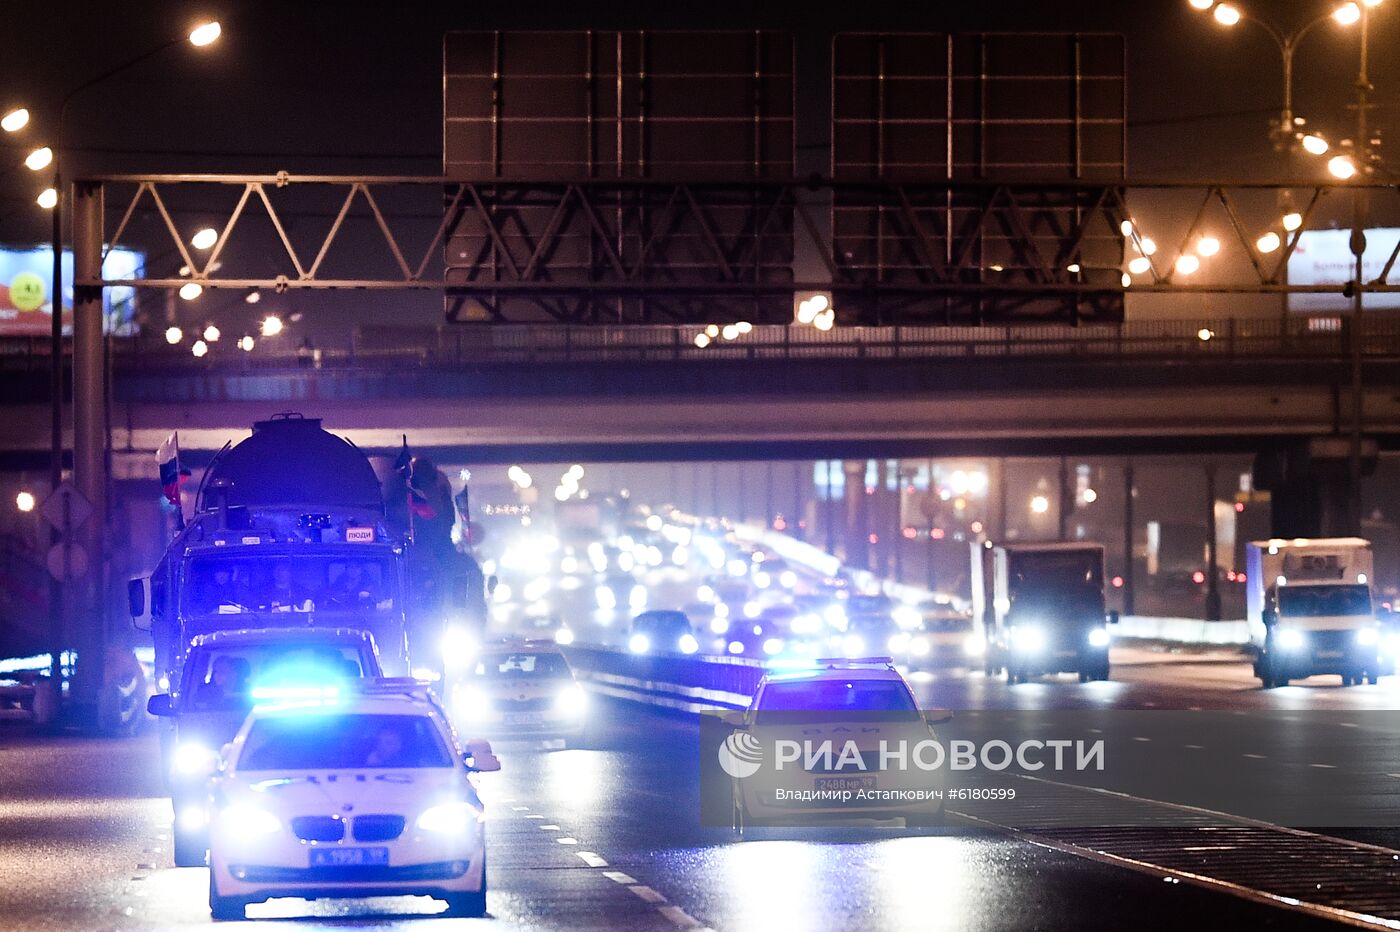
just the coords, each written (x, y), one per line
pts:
(720, 466)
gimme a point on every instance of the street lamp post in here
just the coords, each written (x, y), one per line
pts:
(89, 408)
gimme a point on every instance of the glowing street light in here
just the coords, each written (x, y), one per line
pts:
(1203, 4)
(1139, 265)
(1205, 334)
(205, 238)
(271, 326)
(253, 297)
(15, 120)
(1341, 167)
(191, 290)
(39, 159)
(24, 501)
(199, 349)
(730, 332)
(246, 343)
(1040, 504)
(1226, 14)
(1187, 264)
(1314, 144)
(702, 340)
(1268, 242)
(1207, 246)
(1147, 246)
(47, 198)
(825, 320)
(205, 33)
(174, 335)
(1348, 13)
(211, 334)
(1292, 220)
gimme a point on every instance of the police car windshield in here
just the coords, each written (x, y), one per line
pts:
(235, 585)
(805, 700)
(344, 742)
(524, 664)
(219, 676)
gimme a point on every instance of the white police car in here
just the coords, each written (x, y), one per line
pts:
(329, 793)
(521, 690)
(835, 741)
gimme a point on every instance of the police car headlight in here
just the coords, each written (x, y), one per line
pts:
(1030, 640)
(473, 703)
(248, 821)
(1368, 637)
(448, 819)
(194, 760)
(1289, 639)
(458, 647)
(570, 700)
(639, 644)
(1098, 637)
(688, 644)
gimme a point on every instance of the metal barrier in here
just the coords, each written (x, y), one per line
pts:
(687, 684)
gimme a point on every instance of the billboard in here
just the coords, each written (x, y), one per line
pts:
(26, 283)
(1323, 257)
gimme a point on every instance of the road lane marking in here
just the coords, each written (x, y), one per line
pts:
(549, 828)
(534, 815)
(1196, 747)
(620, 877)
(647, 893)
(567, 841)
(1254, 756)
(1210, 848)
(1324, 766)
(680, 917)
(519, 808)
(1144, 740)
(591, 859)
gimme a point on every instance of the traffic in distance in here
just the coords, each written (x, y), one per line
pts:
(322, 728)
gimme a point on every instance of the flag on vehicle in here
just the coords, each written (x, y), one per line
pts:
(168, 456)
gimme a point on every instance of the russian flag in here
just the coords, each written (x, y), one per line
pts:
(168, 456)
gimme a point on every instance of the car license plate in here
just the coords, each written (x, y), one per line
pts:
(525, 718)
(840, 784)
(1329, 653)
(349, 857)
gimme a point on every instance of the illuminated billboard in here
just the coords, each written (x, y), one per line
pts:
(26, 285)
(1323, 257)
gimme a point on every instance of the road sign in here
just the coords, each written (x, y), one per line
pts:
(66, 508)
(67, 561)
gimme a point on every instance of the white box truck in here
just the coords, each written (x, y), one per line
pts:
(1311, 610)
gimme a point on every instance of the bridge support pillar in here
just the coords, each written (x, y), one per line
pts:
(1310, 487)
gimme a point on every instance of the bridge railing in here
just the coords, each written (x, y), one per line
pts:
(1313, 338)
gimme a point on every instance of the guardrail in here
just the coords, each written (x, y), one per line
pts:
(1178, 341)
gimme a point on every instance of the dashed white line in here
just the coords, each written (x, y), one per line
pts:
(1144, 740)
(567, 841)
(647, 893)
(679, 917)
(1254, 756)
(1196, 747)
(620, 877)
(1324, 766)
(549, 828)
(519, 808)
(592, 859)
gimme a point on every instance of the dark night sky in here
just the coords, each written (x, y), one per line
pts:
(316, 87)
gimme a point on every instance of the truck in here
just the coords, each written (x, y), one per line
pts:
(1311, 610)
(1039, 608)
(288, 530)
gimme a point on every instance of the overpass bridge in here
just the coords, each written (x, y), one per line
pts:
(649, 393)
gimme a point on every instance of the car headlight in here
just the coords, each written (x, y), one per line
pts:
(458, 647)
(564, 636)
(974, 645)
(688, 644)
(898, 643)
(1028, 639)
(192, 818)
(473, 703)
(194, 760)
(448, 818)
(1099, 637)
(248, 821)
(907, 616)
(570, 700)
(772, 646)
(918, 646)
(1368, 636)
(639, 643)
(1290, 639)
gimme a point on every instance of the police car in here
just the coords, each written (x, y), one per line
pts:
(522, 690)
(329, 793)
(816, 739)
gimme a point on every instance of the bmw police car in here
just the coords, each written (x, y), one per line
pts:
(348, 793)
(524, 690)
(834, 741)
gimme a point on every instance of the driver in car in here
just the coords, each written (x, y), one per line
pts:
(221, 589)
